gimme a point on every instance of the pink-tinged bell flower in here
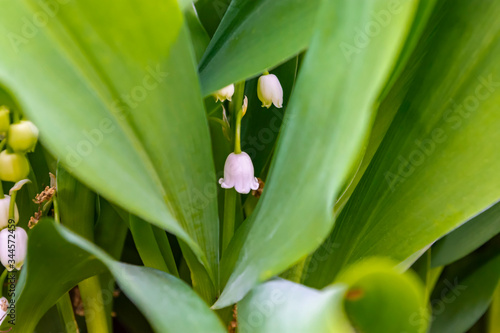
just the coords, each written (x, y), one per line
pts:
(269, 91)
(17, 253)
(239, 173)
(224, 93)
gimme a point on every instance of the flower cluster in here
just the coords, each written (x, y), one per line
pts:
(17, 138)
(238, 169)
(20, 137)
(269, 91)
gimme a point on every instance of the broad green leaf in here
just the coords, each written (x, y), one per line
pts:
(284, 306)
(168, 303)
(328, 115)
(6, 99)
(199, 37)
(352, 304)
(41, 282)
(390, 104)
(253, 36)
(51, 322)
(464, 293)
(129, 317)
(117, 100)
(108, 223)
(76, 204)
(211, 13)
(436, 167)
(185, 4)
(468, 237)
(420, 21)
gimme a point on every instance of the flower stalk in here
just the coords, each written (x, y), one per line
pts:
(12, 205)
(235, 109)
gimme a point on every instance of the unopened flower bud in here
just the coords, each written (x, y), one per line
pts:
(224, 93)
(239, 173)
(269, 91)
(244, 107)
(15, 254)
(23, 136)
(4, 212)
(13, 166)
(4, 119)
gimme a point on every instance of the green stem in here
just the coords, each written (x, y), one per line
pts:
(237, 113)
(237, 133)
(217, 107)
(230, 195)
(217, 120)
(229, 216)
(237, 100)
(56, 209)
(1, 191)
(95, 315)
(66, 312)
(266, 72)
(2, 280)
(12, 205)
(2, 143)
(165, 249)
(494, 313)
(145, 242)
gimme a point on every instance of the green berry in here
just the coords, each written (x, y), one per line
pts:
(13, 166)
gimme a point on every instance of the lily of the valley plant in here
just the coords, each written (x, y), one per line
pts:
(250, 166)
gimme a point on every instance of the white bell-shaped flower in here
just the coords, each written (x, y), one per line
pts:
(239, 173)
(4, 308)
(225, 93)
(269, 91)
(13, 256)
(4, 212)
